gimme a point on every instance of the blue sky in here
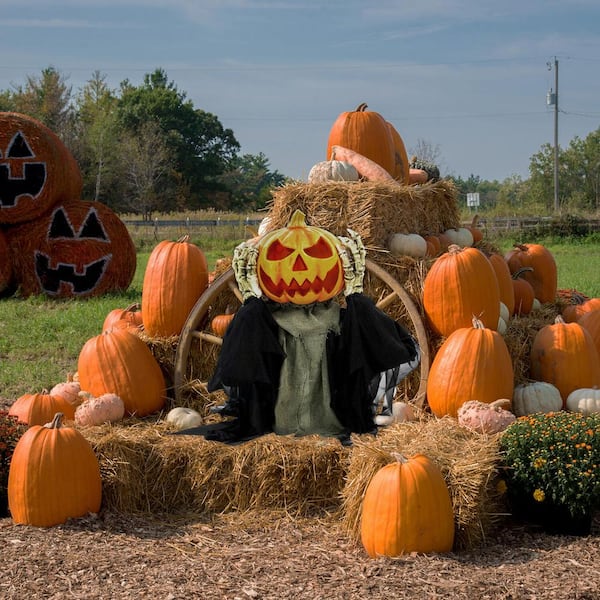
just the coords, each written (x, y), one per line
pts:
(468, 77)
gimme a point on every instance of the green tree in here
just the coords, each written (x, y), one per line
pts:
(581, 173)
(6, 101)
(202, 150)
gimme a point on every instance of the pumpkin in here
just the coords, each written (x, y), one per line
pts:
(483, 417)
(68, 390)
(460, 283)
(108, 408)
(129, 317)
(401, 167)
(365, 132)
(36, 169)
(407, 244)
(590, 321)
(445, 242)
(366, 168)
(119, 362)
(579, 306)
(473, 363)
(299, 263)
(502, 326)
(505, 281)
(77, 250)
(54, 476)
(461, 236)
(417, 176)
(332, 170)
(434, 240)
(543, 276)
(407, 508)
(536, 397)
(220, 323)
(176, 276)
(182, 417)
(585, 401)
(39, 408)
(402, 412)
(565, 355)
(524, 294)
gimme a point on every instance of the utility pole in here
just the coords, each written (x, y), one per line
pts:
(552, 99)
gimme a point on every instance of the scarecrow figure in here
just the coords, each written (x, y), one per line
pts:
(293, 360)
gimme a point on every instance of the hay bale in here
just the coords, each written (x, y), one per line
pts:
(375, 210)
(468, 461)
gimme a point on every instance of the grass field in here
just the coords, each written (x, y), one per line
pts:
(40, 338)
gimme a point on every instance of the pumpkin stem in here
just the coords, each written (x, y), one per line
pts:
(477, 323)
(183, 238)
(399, 457)
(559, 320)
(454, 248)
(133, 307)
(298, 219)
(518, 273)
(361, 107)
(475, 221)
(56, 422)
(522, 247)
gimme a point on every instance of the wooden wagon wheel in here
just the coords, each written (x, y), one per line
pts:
(197, 323)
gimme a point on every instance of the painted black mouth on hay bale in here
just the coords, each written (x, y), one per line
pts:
(12, 188)
(50, 278)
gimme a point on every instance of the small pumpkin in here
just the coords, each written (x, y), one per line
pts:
(220, 323)
(402, 412)
(68, 390)
(299, 263)
(39, 408)
(584, 400)
(407, 508)
(182, 417)
(407, 244)
(54, 476)
(332, 170)
(543, 275)
(578, 307)
(536, 397)
(482, 417)
(524, 294)
(461, 236)
(107, 408)
(131, 317)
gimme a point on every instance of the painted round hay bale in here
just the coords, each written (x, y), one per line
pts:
(36, 169)
(6, 265)
(78, 249)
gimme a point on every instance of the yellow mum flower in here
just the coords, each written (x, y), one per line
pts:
(538, 495)
(501, 487)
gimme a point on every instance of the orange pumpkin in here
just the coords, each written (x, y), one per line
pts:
(220, 323)
(367, 133)
(77, 250)
(176, 276)
(299, 263)
(38, 409)
(407, 508)
(119, 362)
(401, 170)
(544, 274)
(473, 363)
(54, 476)
(524, 294)
(36, 169)
(129, 317)
(579, 306)
(591, 321)
(564, 354)
(505, 281)
(475, 230)
(461, 283)
(436, 246)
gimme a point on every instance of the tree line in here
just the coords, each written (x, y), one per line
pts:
(146, 148)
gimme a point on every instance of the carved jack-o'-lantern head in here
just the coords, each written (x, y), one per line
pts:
(299, 263)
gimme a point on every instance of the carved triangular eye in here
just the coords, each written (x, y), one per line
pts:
(92, 228)
(18, 147)
(60, 226)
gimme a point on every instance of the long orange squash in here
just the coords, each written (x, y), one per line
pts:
(366, 167)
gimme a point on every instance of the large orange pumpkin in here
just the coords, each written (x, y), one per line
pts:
(38, 409)
(118, 362)
(175, 277)
(401, 170)
(366, 132)
(407, 508)
(36, 169)
(54, 476)
(79, 249)
(299, 263)
(473, 363)
(544, 274)
(591, 321)
(565, 355)
(459, 285)
(505, 281)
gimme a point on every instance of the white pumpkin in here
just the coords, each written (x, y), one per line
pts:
(183, 417)
(504, 313)
(584, 400)
(408, 244)
(332, 170)
(502, 326)
(107, 408)
(534, 397)
(537, 305)
(461, 236)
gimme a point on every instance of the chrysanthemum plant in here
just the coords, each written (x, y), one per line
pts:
(554, 458)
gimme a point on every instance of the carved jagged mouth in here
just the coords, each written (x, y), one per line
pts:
(12, 188)
(295, 288)
(82, 282)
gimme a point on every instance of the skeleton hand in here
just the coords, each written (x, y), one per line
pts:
(244, 267)
(353, 262)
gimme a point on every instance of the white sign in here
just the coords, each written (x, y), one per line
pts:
(473, 199)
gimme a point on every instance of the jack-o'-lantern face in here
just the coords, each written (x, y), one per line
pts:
(299, 264)
(36, 169)
(80, 249)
